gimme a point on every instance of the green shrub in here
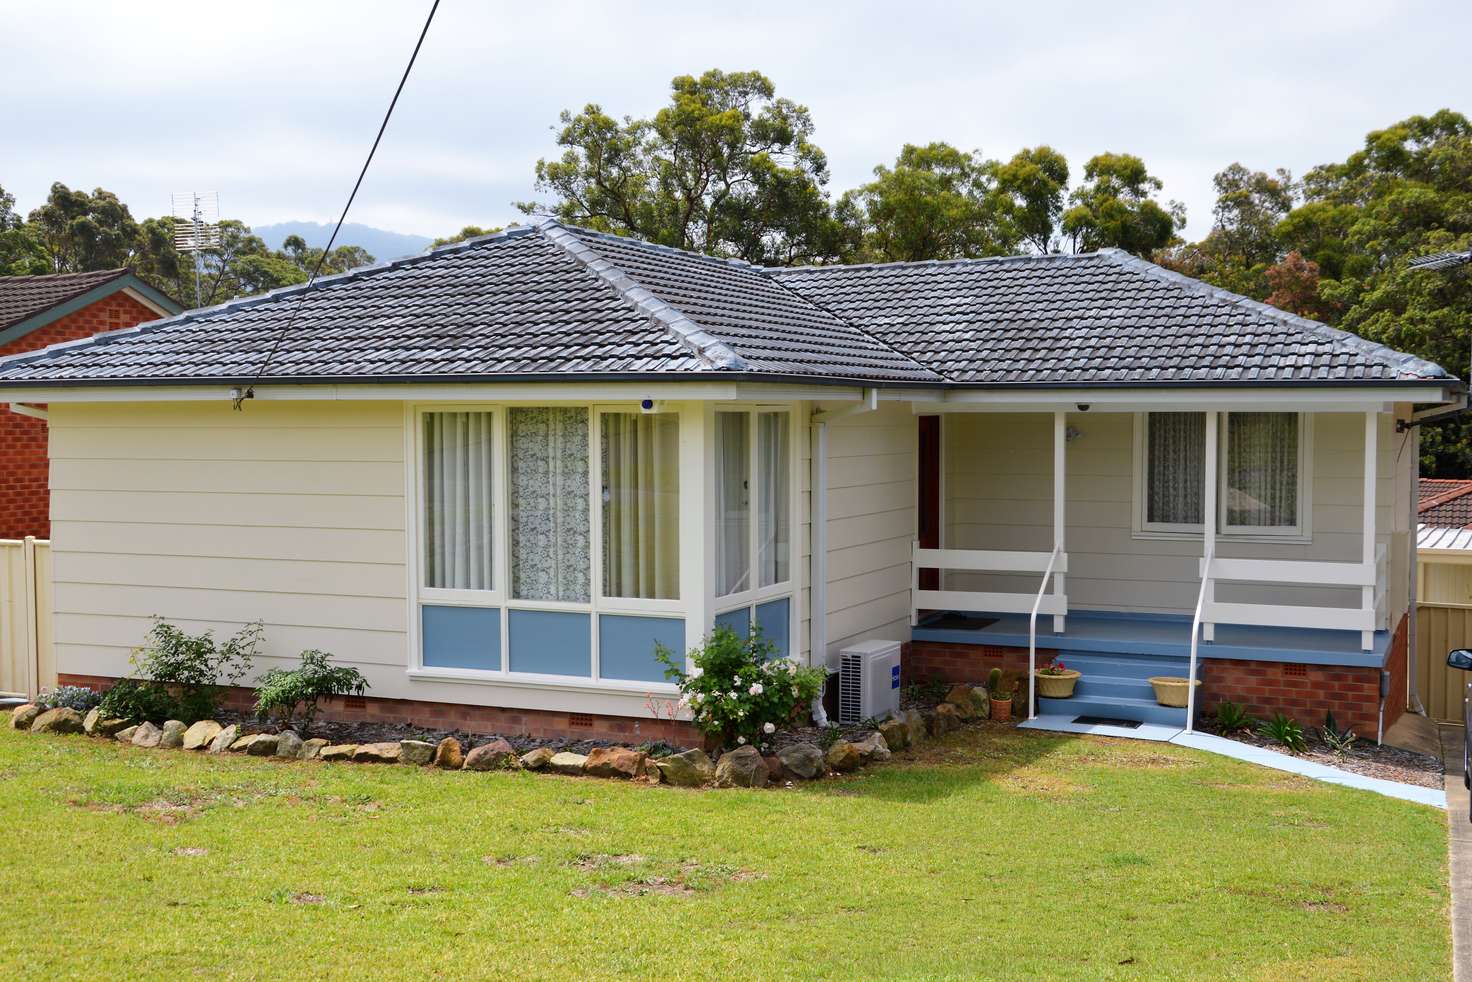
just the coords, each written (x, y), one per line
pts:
(77, 697)
(1339, 742)
(1286, 730)
(1232, 717)
(737, 691)
(282, 693)
(182, 676)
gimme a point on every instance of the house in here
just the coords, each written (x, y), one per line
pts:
(37, 311)
(494, 476)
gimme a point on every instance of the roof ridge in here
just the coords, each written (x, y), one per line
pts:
(240, 303)
(1373, 350)
(1463, 489)
(709, 349)
(657, 246)
(919, 263)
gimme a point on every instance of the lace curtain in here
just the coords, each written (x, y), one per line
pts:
(1262, 470)
(733, 503)
(641, 505)
(458, 518)
(1176, 468)
(774, 523)
(550, 538)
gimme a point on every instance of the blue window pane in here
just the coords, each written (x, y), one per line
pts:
(737, 620)
(626, 646)
(551, 642)
(774, 619)
(461, 637)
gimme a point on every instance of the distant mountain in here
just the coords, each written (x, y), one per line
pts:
(380, 243)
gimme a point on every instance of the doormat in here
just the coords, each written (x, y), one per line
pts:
(1129, 724)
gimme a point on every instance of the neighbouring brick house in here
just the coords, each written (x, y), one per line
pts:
(36, 312)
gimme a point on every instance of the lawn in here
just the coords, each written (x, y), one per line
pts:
(994, 853)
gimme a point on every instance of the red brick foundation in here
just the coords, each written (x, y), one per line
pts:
(540, 723)
(1305, 692)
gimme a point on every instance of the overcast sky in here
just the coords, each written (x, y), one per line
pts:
(274, 104)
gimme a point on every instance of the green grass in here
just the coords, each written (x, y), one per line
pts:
(997, 853)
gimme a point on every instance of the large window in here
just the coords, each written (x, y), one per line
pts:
(548, 543)
(1262, 473)
(733, 503)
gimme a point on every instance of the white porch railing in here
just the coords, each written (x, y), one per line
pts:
(1201, 596)
(1032, 635)
(1053, 564)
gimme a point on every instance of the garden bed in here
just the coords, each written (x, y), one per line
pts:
(1384, 761)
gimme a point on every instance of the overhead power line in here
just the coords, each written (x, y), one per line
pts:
(250, 390)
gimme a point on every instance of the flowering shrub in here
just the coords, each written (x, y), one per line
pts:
(77, 697)
(737, 691)
(1054, 667)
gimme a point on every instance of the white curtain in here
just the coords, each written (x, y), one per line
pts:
(1176, 468)
(774, 524)
(458, 462)
(550, 536)
(1262, 470)
(733, 503)
(641, 505)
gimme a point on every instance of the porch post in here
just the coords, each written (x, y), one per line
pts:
(1367, 593)
(1208, 516)
(1060, 444)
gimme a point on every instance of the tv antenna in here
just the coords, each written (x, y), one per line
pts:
(196, 229)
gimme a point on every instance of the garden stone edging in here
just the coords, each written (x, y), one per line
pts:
(201, 734)
(21, 717)
(58, 720)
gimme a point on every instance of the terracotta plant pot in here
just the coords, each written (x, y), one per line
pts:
(1059, 686)
(1001, 709)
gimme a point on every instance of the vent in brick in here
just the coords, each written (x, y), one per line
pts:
(354, 702)
(1295, 671)
(580, 720)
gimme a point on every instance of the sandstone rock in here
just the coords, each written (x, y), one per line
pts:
(342, 751)
(915, 727)
(288, 745)
(264, 745)
(535, 760)
(91, 720)
(448, 755)
(743, 767)
(125, 735)
(650, 772)
(842, 756)
(312, 749)
(415, 752)
(493, 756)
(873, 748)
(201, 734)
(981, 701)
(172, 735)
(225, 739)
(147, 735)
(960, 696)
(619, 762)
(567, 763)
(58, 720)
(376, 753)
(944, 720)
(689, 769)
(776, 773)
(244, 743)
(896, 733)
(21, 717)
(802, 760)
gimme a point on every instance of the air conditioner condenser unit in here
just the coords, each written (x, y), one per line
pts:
(868, 681)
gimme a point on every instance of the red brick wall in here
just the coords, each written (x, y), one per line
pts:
(931, 661)
(24, 497)
(1307, 692)
(540, 723)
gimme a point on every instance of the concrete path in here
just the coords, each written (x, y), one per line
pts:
(1460, 849)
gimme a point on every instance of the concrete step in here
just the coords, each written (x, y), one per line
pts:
(1112, 686)
(1124, 666)
(1146, 710)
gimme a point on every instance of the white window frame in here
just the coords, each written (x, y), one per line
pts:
(755, 596)
(500, 596)
(1302, 532)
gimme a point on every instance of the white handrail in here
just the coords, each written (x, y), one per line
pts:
(1032, 638)
(1195, 635)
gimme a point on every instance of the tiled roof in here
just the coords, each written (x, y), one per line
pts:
(1090, 318)
(1445, 503)
(557, 301)
(22, 297)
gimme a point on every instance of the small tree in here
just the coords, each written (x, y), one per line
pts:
(281, 693)
(183, 676)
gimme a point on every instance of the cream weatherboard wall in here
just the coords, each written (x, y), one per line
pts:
(998, 495)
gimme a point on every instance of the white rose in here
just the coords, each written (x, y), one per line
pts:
(741, 739)
(769, 727)
(756, 689)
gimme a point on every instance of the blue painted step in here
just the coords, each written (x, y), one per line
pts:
(1117, 686)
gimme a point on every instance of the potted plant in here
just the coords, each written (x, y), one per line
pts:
(1056, 680)
(1001, 688)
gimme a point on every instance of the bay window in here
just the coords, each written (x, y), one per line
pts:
(1262, 470)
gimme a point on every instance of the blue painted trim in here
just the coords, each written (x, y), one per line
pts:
(626, 645)
(99, 292)
(774, 618)
(461, 637)
(551, 642)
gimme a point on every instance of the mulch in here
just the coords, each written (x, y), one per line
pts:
(1384, 761)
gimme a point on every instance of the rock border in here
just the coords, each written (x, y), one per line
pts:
(742, 767)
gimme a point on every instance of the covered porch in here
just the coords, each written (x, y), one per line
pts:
(1247, 544)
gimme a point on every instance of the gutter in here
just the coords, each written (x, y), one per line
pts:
(1434, 415)
(818, 566)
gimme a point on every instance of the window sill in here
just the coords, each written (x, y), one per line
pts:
(553, 682)
(1291, 540)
